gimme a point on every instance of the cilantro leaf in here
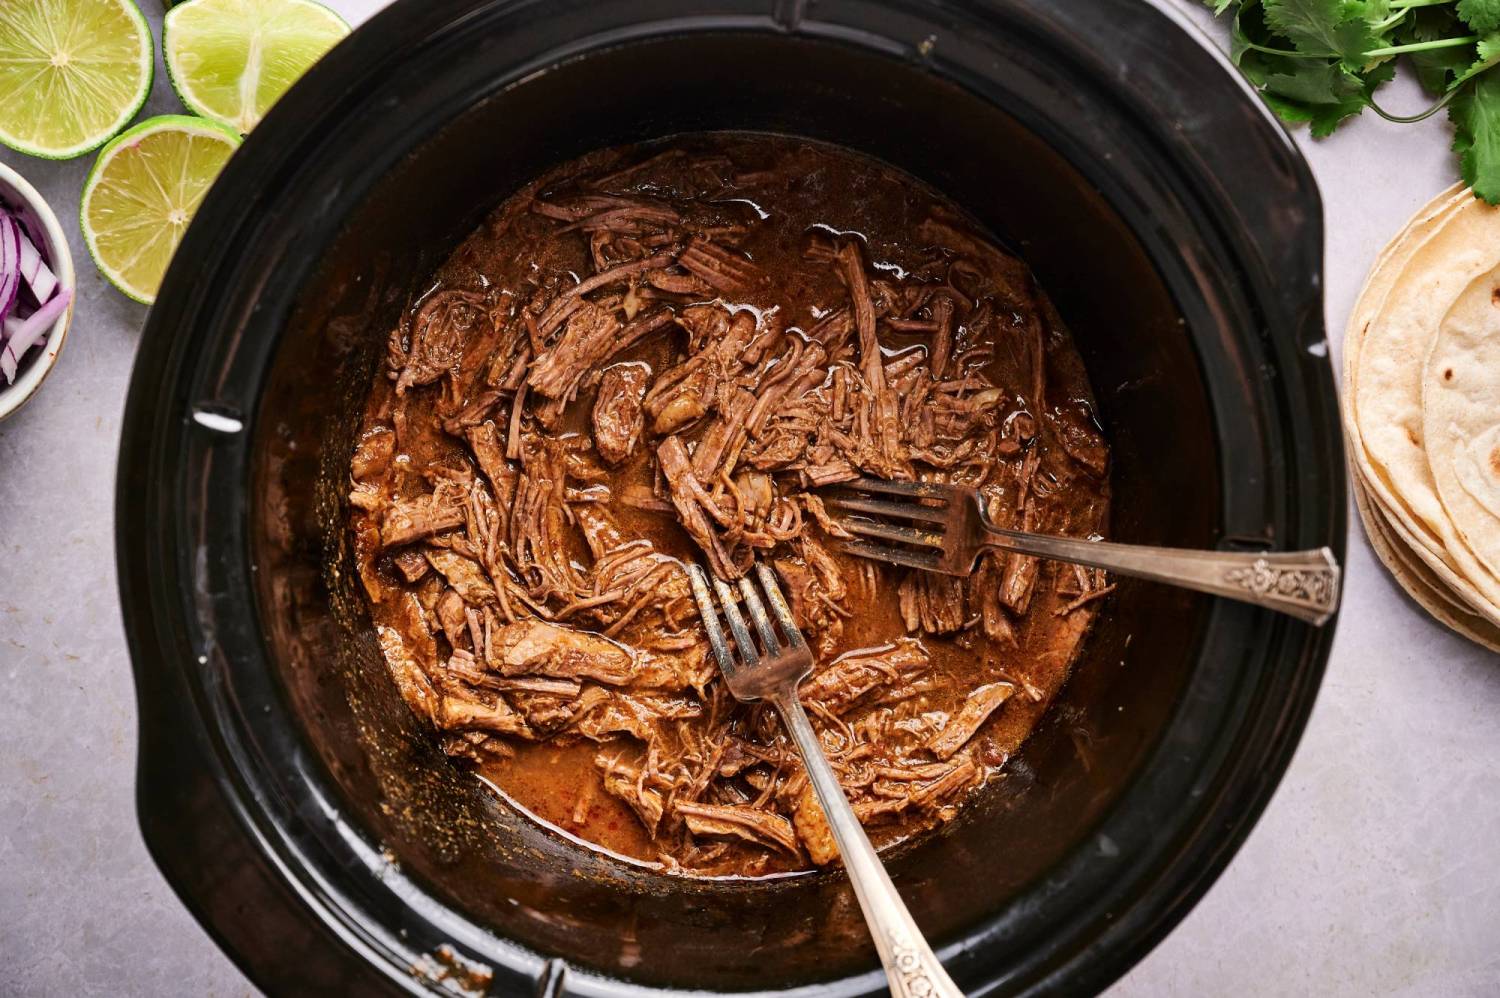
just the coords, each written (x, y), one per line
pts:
(1436, 69)
(1323, 84)
(1322, 97)
(1481, 15)
(1321, 119)
(1251, 46)
(1241, 45)
(1319, 62)
(1487, 54)
(1328, 28)
(1475, 114)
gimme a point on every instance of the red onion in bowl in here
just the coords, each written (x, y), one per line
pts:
(34, 270)
(20, 335)
(22, 264)
(10, 263)
(27, 223)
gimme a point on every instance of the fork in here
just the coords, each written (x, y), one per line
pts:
(771, 673)
(949, 529)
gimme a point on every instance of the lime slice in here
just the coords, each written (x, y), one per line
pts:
(230, 59)
(142, 193)
(72, 73)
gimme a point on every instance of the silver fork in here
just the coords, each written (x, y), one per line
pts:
(771, 673)
(944, 528)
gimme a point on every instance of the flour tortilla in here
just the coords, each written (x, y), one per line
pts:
(1398, 556)
(1383, 273)
(1456, 585)
(1414, 577)
(1426, 573)
(1386, 384)
(1416, 561)
(1387, 268)
(1461, 417)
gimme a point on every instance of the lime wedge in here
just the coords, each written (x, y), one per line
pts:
(230, 59)
(72, 73)
(142, 193)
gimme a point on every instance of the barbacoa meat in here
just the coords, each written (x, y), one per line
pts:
(405, 521)
(535, 647)
(649, 357)
(617, 418)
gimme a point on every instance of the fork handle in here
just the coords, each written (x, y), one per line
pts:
(1304, 584)
(910, 966)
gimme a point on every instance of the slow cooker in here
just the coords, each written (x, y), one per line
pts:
(311, 823)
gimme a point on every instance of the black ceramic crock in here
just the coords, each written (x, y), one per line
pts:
(310, 823)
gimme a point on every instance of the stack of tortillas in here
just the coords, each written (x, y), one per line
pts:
(1422, 411)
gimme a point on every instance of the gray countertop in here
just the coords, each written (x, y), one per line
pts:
(1375, 870)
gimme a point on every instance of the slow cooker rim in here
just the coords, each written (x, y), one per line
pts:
(150, 369)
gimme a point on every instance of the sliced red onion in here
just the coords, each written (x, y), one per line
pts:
(34, 270)
(23, 334)
(10, 263)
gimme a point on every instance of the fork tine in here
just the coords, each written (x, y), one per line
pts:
(887, 532)
(758, 615)
(748, 652)
(912, 490)
(880, 507)
(711, 620)
(898, 556)
(779, 606)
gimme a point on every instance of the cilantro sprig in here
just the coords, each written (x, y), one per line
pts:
(1322, 61)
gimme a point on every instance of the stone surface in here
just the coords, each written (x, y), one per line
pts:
(1375, 870)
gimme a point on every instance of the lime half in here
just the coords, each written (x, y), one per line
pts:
(72, 73)
(230, 59)
(142, 193)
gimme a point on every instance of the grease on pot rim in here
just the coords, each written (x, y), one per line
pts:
(653, 355)
(450, 971)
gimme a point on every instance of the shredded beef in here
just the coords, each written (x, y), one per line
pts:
(617, 418)
(646, 358)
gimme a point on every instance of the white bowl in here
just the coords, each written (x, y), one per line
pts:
(38, 363)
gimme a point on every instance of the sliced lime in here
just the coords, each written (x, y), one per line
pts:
(72, 73)
(230, 59)
(142, 193)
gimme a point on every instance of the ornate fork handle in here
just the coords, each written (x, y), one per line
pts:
(910, 966)
(1304, 584)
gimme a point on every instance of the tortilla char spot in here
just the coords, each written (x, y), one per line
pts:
(1416, 441)
(1495, 460)
(1495, 297)
(1448, 374)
